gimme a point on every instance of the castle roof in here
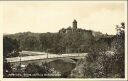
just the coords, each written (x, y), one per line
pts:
(74, 21)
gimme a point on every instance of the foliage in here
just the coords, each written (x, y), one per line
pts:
(10, 47)
(7, 69)
(39, 70)
(105, 53)
(74, 41)
(104, 62)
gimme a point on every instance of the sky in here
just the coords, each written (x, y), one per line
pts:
(51, 16)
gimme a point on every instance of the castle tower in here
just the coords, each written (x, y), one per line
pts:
(74, 24)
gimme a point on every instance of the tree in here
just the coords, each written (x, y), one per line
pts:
(102, 62)
(39, 70)
(10, 49)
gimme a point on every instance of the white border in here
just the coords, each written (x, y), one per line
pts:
(56, 79)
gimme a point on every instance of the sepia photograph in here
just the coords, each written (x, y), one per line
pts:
(64, 39)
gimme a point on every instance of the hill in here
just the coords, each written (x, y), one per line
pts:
(70, 42)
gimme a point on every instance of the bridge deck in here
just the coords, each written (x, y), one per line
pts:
(42, 55)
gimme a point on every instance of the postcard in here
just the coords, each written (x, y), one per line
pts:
(63, 40)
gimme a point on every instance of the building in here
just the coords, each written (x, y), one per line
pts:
(70, 29)
(74, 24)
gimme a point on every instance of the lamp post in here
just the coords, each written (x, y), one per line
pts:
(20, 60)
(47, 55)
(47, 52)
(20, 68)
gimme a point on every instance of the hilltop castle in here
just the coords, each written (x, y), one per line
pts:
(75, 24)
(74, 28)
(69, 29)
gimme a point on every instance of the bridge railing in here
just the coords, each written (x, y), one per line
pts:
(45, 56)
(66, 55)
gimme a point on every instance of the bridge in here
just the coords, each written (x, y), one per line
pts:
(41, 57)
(44, 56)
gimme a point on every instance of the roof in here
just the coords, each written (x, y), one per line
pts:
(74, 20)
